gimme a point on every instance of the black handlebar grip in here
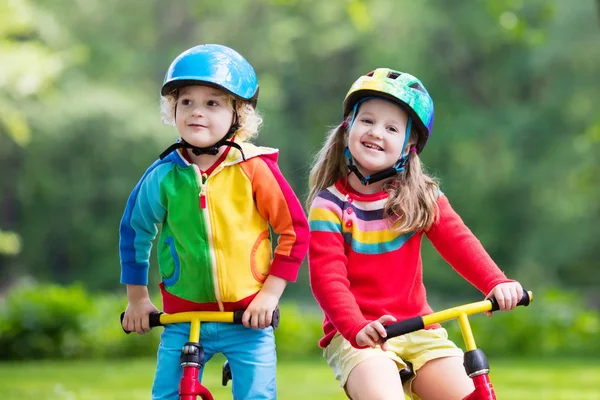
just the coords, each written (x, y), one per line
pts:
(154, 319)
(404, 327)
(237, 317)
(124, 330)
(525, 300)
(276, 318)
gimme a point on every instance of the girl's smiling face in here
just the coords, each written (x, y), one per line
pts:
(203, 115)
(377, 135)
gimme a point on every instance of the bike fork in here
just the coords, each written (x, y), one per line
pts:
(476, 364)
(483, 389)
(192, 360)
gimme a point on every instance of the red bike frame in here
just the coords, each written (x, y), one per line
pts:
(475, 362)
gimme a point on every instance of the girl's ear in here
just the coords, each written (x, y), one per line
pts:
(410, 145)
(412, 142)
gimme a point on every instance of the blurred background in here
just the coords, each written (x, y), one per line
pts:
(516, 144)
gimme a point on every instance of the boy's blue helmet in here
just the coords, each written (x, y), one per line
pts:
(215, 65)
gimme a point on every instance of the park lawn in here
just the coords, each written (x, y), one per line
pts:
(312, 379)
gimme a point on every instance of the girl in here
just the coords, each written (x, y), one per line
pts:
(370, 205)
(215, 196)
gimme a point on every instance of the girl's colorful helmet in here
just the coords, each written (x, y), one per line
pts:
(215, 65)
(401, 88)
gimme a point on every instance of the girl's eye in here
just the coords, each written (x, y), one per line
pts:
(392, 129)
(212, 103)
(366, 121)
(186, 102)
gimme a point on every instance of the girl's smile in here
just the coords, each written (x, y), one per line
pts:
(377, 135)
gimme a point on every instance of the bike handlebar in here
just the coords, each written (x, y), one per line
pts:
(414, 324)
(235, 317)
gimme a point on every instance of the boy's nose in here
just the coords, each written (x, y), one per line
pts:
(197, 111)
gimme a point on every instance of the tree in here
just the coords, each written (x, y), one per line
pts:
(29, 67)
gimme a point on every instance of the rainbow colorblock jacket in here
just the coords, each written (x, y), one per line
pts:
(214, 249)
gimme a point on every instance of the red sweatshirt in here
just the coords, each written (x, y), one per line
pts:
(360, 269)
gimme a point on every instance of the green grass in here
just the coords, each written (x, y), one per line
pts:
(312, 379)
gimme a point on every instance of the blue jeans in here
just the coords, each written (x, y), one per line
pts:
(251, 355)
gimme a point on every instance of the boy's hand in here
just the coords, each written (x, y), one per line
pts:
(136, 316)
(260, 311)
(138, 308)
(372, 334)
(507, 295)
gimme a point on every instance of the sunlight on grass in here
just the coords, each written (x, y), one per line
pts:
(131, 380)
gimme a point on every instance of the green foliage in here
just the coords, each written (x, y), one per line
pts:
(10, 243)
(299, 332)
(40, 321)
(516, 140)
(555, 324)
(101, 141)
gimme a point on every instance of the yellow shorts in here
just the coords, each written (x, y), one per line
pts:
(416, 348)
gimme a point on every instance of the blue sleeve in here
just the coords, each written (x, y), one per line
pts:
(143, 212)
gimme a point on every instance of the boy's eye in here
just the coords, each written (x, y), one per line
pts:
(212, 103)
(186, 102)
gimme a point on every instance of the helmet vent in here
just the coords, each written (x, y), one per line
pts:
(417, 86)
(393, 75)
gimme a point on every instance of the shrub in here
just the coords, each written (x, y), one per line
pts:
(43, 321)
(49, 321)
(556, 323)
(299, 332)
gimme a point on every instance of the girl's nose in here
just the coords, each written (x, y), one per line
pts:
(376, 131)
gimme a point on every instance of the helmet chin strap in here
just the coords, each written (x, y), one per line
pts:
(212, 150)
(378, 176)
(386, 173)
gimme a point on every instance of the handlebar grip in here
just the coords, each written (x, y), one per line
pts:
(525, 300)
(154, 319)
(237, 317)
(404, 327)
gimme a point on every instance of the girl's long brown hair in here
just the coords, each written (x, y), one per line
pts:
(412, 201)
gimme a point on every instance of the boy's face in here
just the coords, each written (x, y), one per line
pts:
(377, 135)
(203, 115)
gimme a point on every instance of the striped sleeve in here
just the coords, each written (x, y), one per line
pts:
(279, 205)
(327, 263)
(138, 228)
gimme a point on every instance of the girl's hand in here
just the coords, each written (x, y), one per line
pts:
(136, 316)
(507, 295)
(372, 335)
(260, 311)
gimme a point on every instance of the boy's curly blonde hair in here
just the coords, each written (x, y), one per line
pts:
(249, 119)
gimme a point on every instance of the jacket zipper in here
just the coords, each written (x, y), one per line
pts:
(202, 180)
